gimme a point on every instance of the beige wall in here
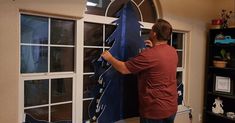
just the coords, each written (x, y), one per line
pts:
(192, 15)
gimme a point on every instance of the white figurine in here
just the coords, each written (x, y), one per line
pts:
(217, 106)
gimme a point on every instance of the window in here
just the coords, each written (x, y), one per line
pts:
(47, 67)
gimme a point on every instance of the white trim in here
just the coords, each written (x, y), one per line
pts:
(39, 106)
(49, 100)
(100, 47)
(50, 45)
(87, 99)
(79, 71)
(89, 73)
(49, 50)
(183, 109)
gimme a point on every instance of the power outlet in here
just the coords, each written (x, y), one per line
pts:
(200, 117)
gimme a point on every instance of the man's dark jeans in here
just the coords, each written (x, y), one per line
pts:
(166, 120)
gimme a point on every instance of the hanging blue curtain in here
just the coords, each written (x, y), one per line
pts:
(116, 94)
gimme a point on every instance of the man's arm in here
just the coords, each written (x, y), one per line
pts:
(118, 65)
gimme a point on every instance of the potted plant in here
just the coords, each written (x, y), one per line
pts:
(221, 60)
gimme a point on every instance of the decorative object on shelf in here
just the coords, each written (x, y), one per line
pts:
(225, 16)
(222, 85)
(220, 39)
(216, 23)
(221, 60)
(230, 115)
(217, 107)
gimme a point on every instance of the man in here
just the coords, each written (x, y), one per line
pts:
(156, 71)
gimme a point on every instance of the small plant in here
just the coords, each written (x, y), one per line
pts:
(224, 55)
(225, 16)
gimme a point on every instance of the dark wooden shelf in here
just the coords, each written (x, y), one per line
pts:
(226, 68)
(222, 95)
(212, 71)
(222, 45)
(220, 115)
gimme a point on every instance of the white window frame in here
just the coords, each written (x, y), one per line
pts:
(50, 75)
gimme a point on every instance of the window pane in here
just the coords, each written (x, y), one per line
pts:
(61, 112)
(34, 29)
(90, 54)
(62, 59)
(180, 58)
(93, 34)
(145, 34)
(96, 7)
(179, 77)
(148, 11)
(35, 92)
(109, 29)
(62, 32)
(61, 90)
(85, 109)
(117, 5)
(88, 85)
(38, 113)
(34, 59)
(177, 40)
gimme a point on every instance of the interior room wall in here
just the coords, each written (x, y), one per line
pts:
(194, 15)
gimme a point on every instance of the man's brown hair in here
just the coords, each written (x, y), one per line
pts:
(163, 29)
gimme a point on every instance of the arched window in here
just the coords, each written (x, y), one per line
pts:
(145, 9)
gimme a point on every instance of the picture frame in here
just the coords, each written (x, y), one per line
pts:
(223, 85)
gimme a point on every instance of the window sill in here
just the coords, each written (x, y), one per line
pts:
(184, 109)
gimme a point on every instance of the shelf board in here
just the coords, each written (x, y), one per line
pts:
(222, 95)
(222, 45)
(226, 68)
(220, 115)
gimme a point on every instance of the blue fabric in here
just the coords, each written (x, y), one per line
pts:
(114, 92)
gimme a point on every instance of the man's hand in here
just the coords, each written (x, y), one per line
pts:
(106, 55)
(118, 65)
(148, 43)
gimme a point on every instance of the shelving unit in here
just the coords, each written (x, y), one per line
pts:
(212, 82)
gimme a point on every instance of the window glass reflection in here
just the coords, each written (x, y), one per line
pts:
(85, 110)
(148, 11)
(93, 34)
(61, 113)
(62, 32)
(34, 59)
(177, 40)
(180, 58)
(62, 59)
(89, 84)
(179, 77)
(36, 92)
(34, 29)
(145, 34)
(61, 90)
(90, 54)
(38, 113)
(96, 7)
(109, 29)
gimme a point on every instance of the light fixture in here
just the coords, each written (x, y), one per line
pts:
(91, 4)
